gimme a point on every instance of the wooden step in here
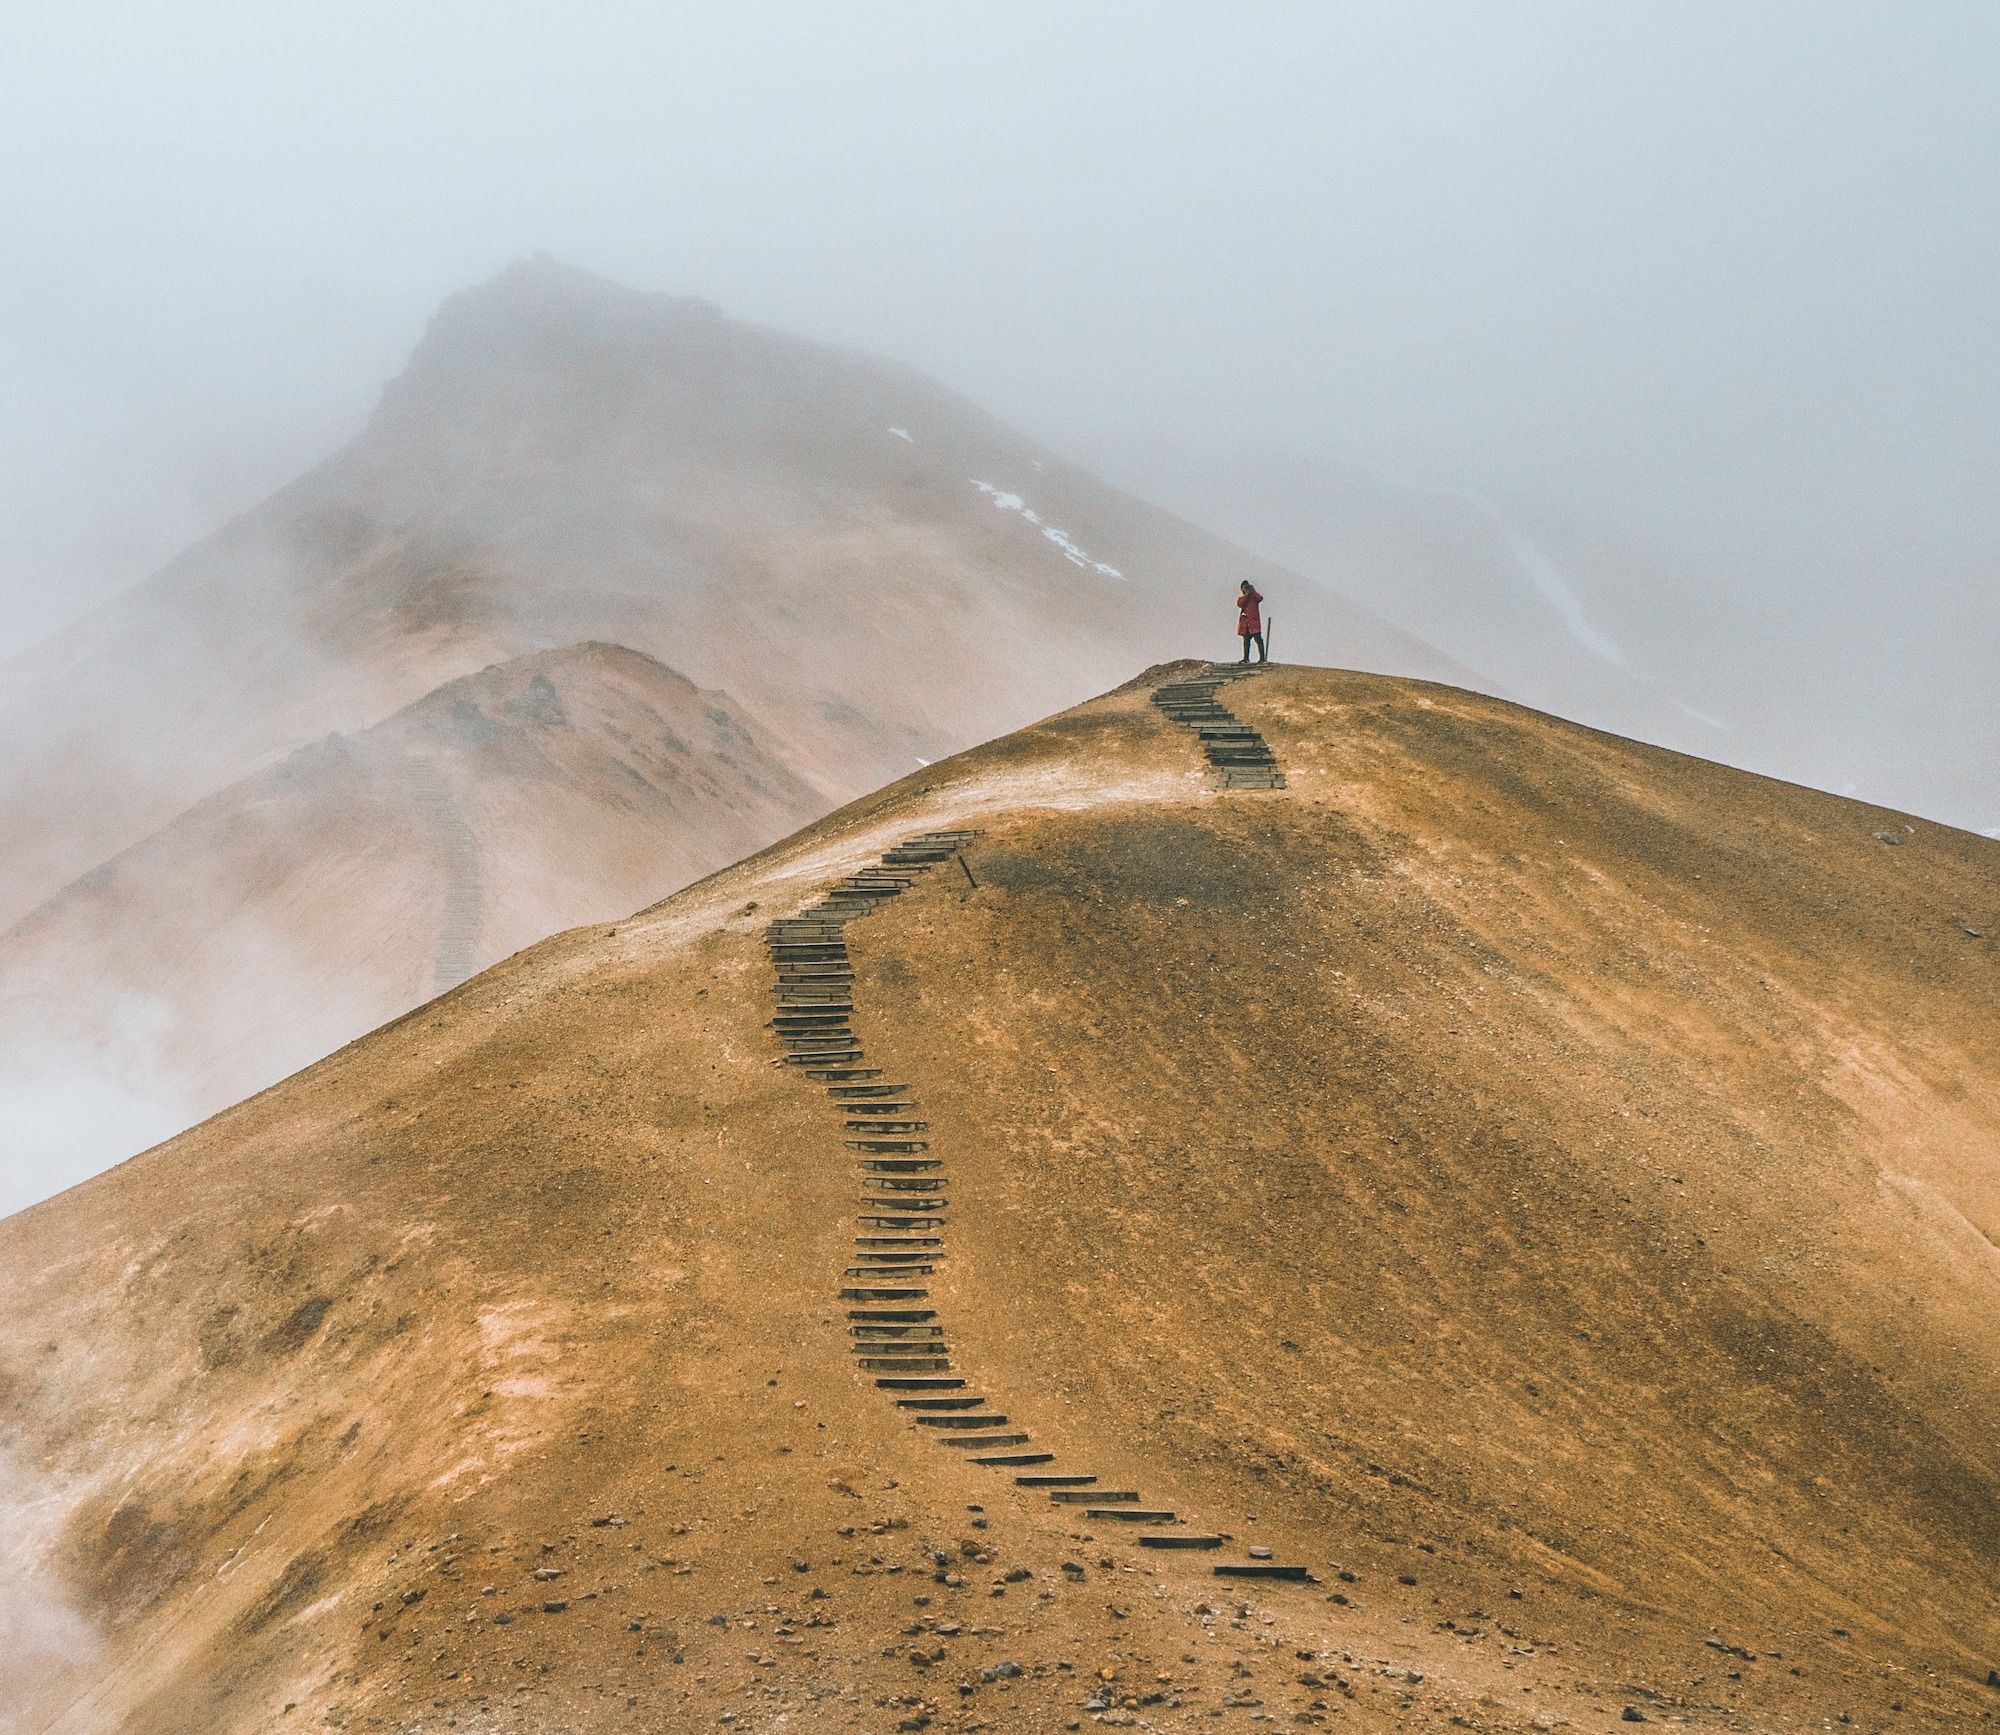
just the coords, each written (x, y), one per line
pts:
(1069, 1481)
(1131, 1514)
(1181, 1539)
(1262, 1569)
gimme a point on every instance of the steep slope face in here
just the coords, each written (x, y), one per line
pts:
(879, 572)
(1542, 1185)
(274, 920)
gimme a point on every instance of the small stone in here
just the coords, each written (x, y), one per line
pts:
(1007, 1671)
(554, 1607)
(801, 1566)
(1260, 1554)
(1632, 1713)
(545, 1573)
(1993, 1677)
(413, 1596)
(1882, 837)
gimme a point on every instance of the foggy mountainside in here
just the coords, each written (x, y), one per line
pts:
(684, 1043)
(871, 573)
(285, 914)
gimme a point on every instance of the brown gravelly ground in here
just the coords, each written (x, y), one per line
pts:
(1552, 1182)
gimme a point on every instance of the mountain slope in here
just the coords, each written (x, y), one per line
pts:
(564, 459)
(1546, 1179)
(275, 919)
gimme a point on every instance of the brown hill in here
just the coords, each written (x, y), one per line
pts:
(359, 876)
(564, 459)
(1543, 1185)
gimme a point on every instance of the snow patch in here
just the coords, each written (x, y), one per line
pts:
(902, 434)
(1070, 551)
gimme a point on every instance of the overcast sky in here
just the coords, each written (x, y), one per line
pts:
(1723, 274)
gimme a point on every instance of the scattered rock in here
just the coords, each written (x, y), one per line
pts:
(1632, 1713)
(1007, 1671)
(554, 1607)
(413, 1596)
(1260, 1554)
(1887, 837)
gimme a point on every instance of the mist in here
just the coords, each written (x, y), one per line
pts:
(1641, 360)
(1715, 277)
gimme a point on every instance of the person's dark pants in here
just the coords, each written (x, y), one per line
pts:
(1256, 639)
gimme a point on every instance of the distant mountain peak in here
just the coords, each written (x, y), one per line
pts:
(539, 319)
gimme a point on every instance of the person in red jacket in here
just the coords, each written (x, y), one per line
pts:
(1250, 619)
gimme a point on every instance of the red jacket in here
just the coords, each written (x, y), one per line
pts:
(1249, 617)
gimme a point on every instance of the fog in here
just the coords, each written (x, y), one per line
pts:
(1642, 359)
(1715, 281)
